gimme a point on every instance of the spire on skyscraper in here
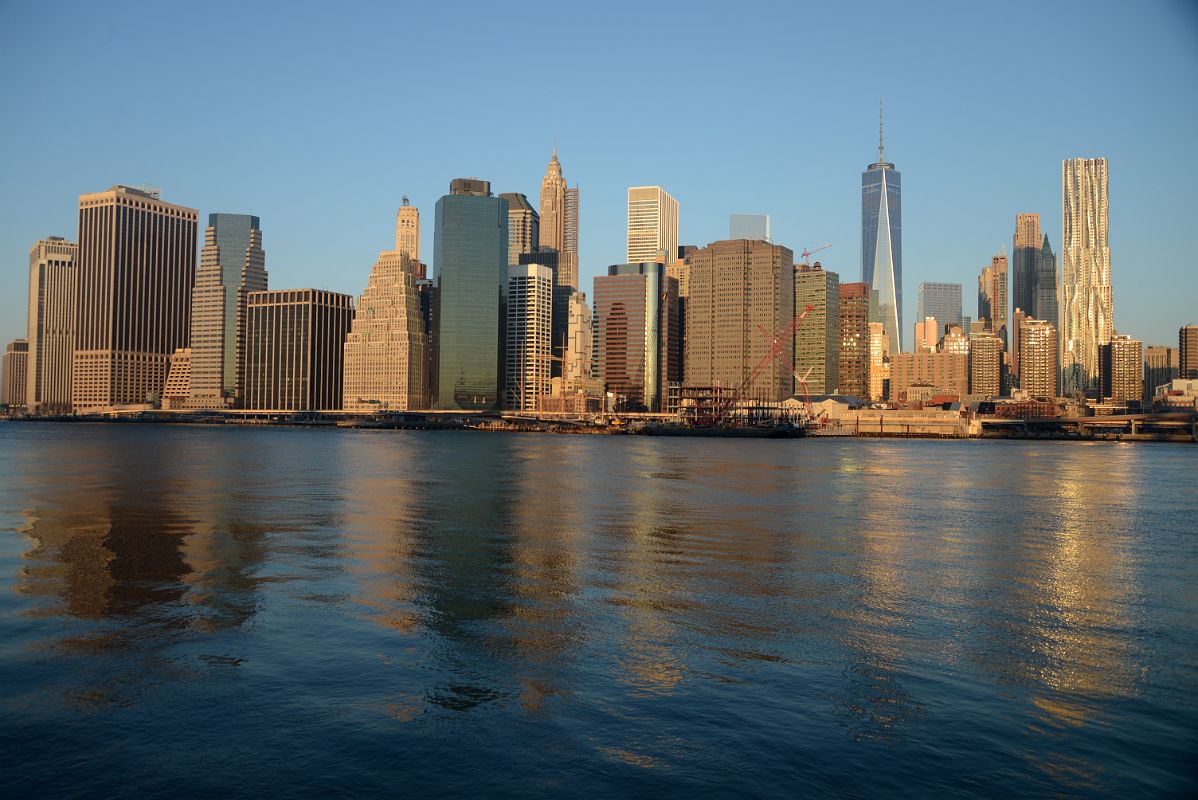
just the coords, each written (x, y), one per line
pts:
(881, 148)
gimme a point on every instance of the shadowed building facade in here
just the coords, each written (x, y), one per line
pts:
(523, 226)
(853, 369)
(1121, 370)
(136, 268)
(817, 340)
(232, 264)
(14, 381)
(51, 332)
(939, 300)
(636, 322)
(1187, 351)
(295, 341)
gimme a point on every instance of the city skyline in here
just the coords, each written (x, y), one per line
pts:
(321, 243)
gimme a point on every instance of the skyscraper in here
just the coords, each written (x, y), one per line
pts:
(817, 341)
(652, 224)
(1086, 304)
(576, 374)
(1121, 370)
(854, 339)
(386, 349)
(232, 264)
(1160, 367)
(51, 325)
(407, 230)
(1025, 262)
(985, 365)
(749, 226)
(739, 288)
(136, 267)
(470, 263)
(882, 241)
(1038, 357)
(295, 349)
(529, 324)
(636, 322)
(15, 378)
(939, 300)
(992, 296)
(1187, 351)
(559, 222)
(523, 226)
(1046, 285)
(879, 361)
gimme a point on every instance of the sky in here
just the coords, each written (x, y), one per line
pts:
(319, 117)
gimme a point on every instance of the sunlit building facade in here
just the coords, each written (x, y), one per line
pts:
(652, 225)
(15, 378)
(51, 333)
(1037, 357)
(853, 369)
(407, 230)
(1086, 303)
(817, 339)
(1121, 369)
(882, 243)
(636, 321)
(529, 325)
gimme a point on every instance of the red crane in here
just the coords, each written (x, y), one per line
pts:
(777, 349)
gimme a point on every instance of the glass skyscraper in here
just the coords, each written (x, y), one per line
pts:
(882, 242)
(470, 254)
(939, 300)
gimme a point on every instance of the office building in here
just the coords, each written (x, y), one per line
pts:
(177, 393)
(1046, 285)
(636, 321)
(576, 373)
(1037, 357)
(879, 362)
(652, 225)
(558, 229)
(407, 230)
(523, 226)
(386, 349)
(738, 289)
(985, 365)
(817, 339)
(755, 227)
(136, 266)
(853, 370)
(295, 349)
(1187, 351)
(1025, 262)
(939, 300)
(470, 263)
(943, 373)
(882, 242)
(51, 333)
(1017, 318)
(232, 264)
(1086, 304)
(1121, 370)
(1160, 367)
(992, 297)
(529, 324)
(927, 334)
(15, 379)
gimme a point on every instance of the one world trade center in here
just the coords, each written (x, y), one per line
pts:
(882, 242)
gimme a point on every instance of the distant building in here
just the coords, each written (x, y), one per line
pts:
(14, 382)
(1025, 262)
(739, 288)
(636, 320)
(529, 324)
(51, 333)
(992, 297)
(558, 222)
(1160, 367)
(470, 256)
(652, 225)
(927, 334)
(985, 365)
(939, 300)
(1038, 358)
(178, 392)
(882, 242)
(817, 340)
(407, 231)
(232, 264)
(1046, 306)
(577, 375)
(523, 226)
(945, 373)
(754, 227)
(295, 340)
(853, 369)
(132, 304)
(954, 341)
(1086, 304)
(1121, 370)
(386, 349)
(1187, 351)
(879, 362)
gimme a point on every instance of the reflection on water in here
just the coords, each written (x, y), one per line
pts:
(849, 616)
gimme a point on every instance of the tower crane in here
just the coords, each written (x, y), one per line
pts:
(807, 254)
(777, 349)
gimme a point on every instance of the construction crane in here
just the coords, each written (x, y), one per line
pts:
(777, 349)
(806, 393)
(807, 254)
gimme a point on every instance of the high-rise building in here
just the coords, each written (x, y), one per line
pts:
(470, 255)
(15, 380)
(136, 265)
(992, 297)
(1038, 357)
(51, 333)
(1017, 318)
(652, 225)
(636, 321)
(386, 349)
(1086, 304)
(1121, 369)
(680, 270)
(985, 365)
(232, 264)
(927, 334)
(523, 226)
(946, 373)
(739, 288)
(295, 349)
(579, 343)
(939, 300)
(1187, 351)
(882, 241)
(407, 230)
(1046, 285)
(529, 324)
(177, 393)
(749, 226)
(1160, 367)
(955, 340)
(879, 361)
(854, 339)
(559, 222)
(817, 340)
(1025, 262)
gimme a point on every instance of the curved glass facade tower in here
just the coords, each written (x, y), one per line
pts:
(882, 243)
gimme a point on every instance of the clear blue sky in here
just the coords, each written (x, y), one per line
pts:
(318, 117)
